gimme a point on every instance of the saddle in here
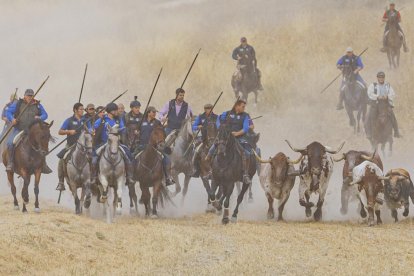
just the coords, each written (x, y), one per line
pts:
(18, 138)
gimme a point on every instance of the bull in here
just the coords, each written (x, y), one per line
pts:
(352, 159)
(398, 189)
(369, 178)
(315, 171)
(277, 178)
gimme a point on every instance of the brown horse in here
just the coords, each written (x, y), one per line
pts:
(149, 172)
(382, 127)
(394, 42)
(29, 159)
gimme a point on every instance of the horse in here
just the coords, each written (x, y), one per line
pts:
(77, 170)
(111, 172)
(394, 42)
(355, 98)
(382, 127)
(244, 81)
(212, 189)
(29, 159)
(182, 164)
(227, 169)
(148, 171)
(131, 141)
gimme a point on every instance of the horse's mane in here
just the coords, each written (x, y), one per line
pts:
(35, 122)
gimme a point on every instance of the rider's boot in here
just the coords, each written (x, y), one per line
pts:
(61, 183)
(129, 171)
(245, 165)
(10, 163)
(340, 104)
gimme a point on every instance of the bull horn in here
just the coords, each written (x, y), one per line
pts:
(259, 159)
(339, 159)
(369, 158)
(294, 149)
(294, 162)
(384, 178)
(329, 150)
(295, 173)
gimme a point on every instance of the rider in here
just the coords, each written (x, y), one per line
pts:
(110, 119)
(33, 111)
(13, 99)
(246, 55)
(72, 128)
(356, 65)
(133, 117)
(121, 111)
(387, 15)
(149, 123)
(175, 112)
(381, 91)
(90, 111)
(199, 124)
(238, 120)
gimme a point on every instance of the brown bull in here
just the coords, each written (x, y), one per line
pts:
(397, 191)
(352, 159)
(277, 178)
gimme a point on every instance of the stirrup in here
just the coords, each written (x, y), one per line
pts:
(60, 186)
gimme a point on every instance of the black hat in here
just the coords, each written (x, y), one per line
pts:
(111, 107)
(135, 103)
(29, 92)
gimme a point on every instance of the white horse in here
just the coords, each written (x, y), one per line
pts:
(111, 173)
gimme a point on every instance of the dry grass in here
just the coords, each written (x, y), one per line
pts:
(58, 242)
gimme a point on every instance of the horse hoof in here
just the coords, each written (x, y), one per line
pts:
(219, 212)
(270, 216)
(16, 207)
(87, 203)
(225, 220)
(210, 208)
(363, 213)
(308, 212)
(234, 219)
(344, 211)
(37, 210)
(78, 212)
(154, 216)
(250, 200)
(317, 215)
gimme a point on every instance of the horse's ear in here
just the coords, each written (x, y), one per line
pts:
(51, 124)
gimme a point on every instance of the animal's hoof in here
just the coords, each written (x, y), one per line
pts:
(344, 211)
(140, 201)
(233, 219)
(78, 212)
(363, 213)
(250, 200)
(87, 203)
(270, 216)
(16, 207)
(379, 221)
(210, 208)
(317, 215)
(225, 220)
(280, 219)
(37, 210)
(219, 212)
(308, 212)
(371, 223)
(154, 216)
(405, 214)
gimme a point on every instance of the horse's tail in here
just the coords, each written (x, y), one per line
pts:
(164, 196)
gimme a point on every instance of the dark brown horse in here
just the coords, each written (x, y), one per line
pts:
(394, 42)
(131, 140)
(382, 126)
(29, 159)
(149, 172)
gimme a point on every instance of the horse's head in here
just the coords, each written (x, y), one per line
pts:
(85, 141)
(39, 136)
(393, 19)
(157, 139)
(224, 139)
(132, 132)
(348, 75)
(383, 111)
(210, 132)
(113, 138)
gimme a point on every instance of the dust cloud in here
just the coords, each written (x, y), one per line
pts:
(125, 44)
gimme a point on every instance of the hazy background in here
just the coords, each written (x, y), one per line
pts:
(126, 42)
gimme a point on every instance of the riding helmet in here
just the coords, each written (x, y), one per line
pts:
(135, 103)
(111, 107)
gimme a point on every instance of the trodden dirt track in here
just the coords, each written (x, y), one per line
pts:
(59, 242)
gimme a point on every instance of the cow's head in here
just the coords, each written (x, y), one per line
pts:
(394, 182)
(317, 160)
(280, 166)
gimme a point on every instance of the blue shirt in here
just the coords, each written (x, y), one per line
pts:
(11, 110)
(223, 116)
(109, 122)
(358, 62)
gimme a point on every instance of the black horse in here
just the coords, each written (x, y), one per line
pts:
(244, 81)
(356, 99)
(227, 169)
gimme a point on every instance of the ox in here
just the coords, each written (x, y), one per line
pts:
(277, 178)
(369, 178)
(398, 188)
(352, 159)
(315, 172)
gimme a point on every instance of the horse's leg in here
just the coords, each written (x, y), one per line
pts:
(177, 183)
(82, 199)
(383, 149)
(118, 192)
(145, 197)
(389, 58)
(218, 198)
(228, 191)
(186, 183)
(359, 115)
(250, 193)
(74, 190)
(134, 199)
(210, 194)
(255, 97)
(245, 187)
(155, 195)
(25, 190)
(10, 176)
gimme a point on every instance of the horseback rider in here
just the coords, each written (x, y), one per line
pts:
(350, 62)
(149, 123)
(199, 124)
(71, 127)
(109, 120)
(90, 111)
(175, 112)
(34, 111)
(121, 111)
(246, 56)
(392, 12)
(381, 91)
(133, 117)
(238, 121)
(13, 99)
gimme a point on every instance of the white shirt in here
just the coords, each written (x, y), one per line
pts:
(382, 90)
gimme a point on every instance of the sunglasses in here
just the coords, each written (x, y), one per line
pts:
(91, 108)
